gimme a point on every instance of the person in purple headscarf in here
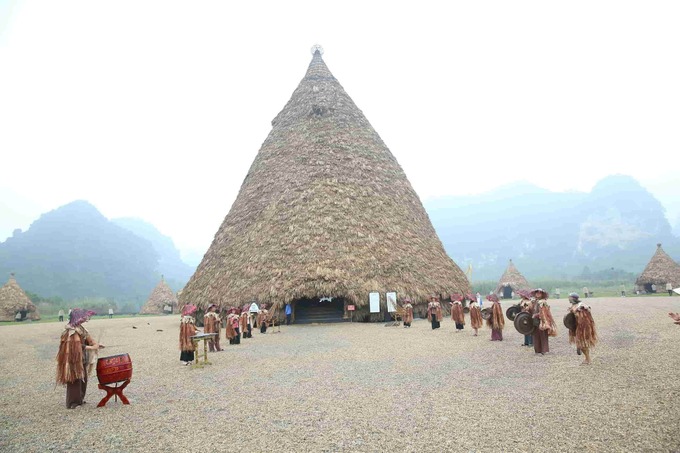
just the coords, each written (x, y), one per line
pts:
(72, 358)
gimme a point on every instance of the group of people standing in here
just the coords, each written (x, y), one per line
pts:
(534, 302)
(238, 323)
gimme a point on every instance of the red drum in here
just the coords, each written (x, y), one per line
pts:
(115, 368)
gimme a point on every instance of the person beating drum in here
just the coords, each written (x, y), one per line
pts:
(72, 359)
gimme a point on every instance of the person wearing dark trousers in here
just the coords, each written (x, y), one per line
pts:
(246, 328)
(434, 312)
(289, 313)
(235, 319)
(262, 318)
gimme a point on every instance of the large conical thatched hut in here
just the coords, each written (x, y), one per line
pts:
(14, 300)
(160, 299)
(325, 210)
(511, 281)
(660, 270)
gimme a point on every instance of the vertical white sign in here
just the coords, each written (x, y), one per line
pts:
(374, 302)
(391, 302)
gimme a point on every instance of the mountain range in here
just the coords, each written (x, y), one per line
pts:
(75, 252)
(553, 234)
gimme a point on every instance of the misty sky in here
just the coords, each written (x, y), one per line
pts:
(156, 109)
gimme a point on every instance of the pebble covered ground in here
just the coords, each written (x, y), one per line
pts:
(359, 387)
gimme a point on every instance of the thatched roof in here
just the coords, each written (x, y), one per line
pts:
(513, 278)
(325, 209)
(660, 270)
(161, 296)
(13, 299)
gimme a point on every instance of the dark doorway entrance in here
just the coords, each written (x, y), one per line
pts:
(507, 292)
(648, 288)
(319, 310)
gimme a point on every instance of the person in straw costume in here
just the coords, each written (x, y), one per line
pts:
(212, 324)
(434, 312)
(546, 324)
(496, 322)
(187, 329)
(475, 315)
(232, 328)
(262, 315)
(236, 323)
(457, 314)
(585, 335)
(244, 322)
(73, 357)
(408, 312)
(525, 306)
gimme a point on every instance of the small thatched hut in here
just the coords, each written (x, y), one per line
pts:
(160, 299)
(660, 270)
(325, 210)
(511, 282)
(14, 300)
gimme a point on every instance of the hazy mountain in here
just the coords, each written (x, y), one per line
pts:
(551, 234)
(74, 252)
(170, 263)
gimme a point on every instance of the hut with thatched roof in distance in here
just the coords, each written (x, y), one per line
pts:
(162, 300)
(660, 270)
(14, 300)
(325, 212)
(511, 282)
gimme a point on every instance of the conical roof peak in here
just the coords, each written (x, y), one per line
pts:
(512, 277)
(317, 69)
(660, 270)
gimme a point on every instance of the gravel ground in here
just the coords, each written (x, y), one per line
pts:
(359, 387)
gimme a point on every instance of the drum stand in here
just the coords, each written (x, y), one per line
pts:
(114, 391)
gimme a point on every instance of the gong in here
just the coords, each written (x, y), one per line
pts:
(511, 312)
(570, 321)
(523, 323)
(486, 314)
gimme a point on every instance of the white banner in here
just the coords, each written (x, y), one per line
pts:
(391, 302)
(374, 302)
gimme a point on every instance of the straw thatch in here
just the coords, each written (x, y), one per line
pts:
(325, 210)
(161, 296)
(13, 299)
(513, 278)
(660, 270)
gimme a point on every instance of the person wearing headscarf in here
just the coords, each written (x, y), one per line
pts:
(434, 312)
(408, 312)
(73, 357)
(262, 316)
(525, 306)
(457, 314)
(244, 322)
(585, 335)
(542, 316)
(187, 329)
(476, 320)
(496, 321)
(212, 324)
